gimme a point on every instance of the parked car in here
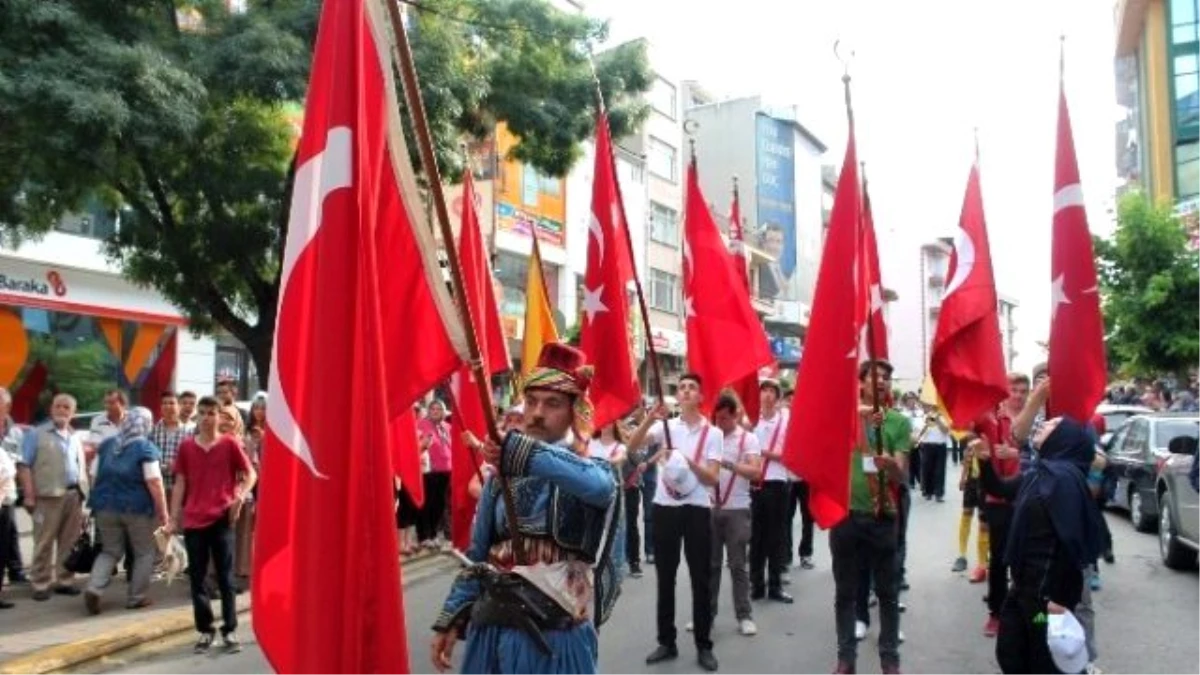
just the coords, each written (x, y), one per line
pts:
(1116, 415)
(1178, 515)
(1134, 453)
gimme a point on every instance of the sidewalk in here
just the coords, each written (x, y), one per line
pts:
(58, 633)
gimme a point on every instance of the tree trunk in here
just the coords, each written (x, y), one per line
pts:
(260, 346)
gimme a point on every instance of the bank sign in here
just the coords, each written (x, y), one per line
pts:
(51, 284)
(775, 169)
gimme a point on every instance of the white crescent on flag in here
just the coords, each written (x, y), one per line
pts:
(323, 173)
(964, 251)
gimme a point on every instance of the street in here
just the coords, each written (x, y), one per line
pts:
(1146, 617)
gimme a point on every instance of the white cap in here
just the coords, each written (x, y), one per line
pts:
(1067, 642)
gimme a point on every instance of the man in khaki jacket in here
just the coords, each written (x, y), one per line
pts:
(54, 476)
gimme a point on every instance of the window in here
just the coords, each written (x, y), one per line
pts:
(663, 98)
(664, 224)
(662, 159)
(664, 289)
(1185, 85)
(93, 221)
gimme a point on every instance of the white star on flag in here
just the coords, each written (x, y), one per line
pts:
(592, 302)
(1058, 295)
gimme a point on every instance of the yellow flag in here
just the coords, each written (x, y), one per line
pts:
(929, 396)
(539, 319)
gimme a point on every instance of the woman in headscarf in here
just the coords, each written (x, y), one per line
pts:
(1054, 535)
(244, 531)
(128, 501)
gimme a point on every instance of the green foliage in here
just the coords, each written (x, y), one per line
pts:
(1150, 281)
(181, 124)
(85, 371)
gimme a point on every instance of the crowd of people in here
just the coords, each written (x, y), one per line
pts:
(114, 496)
(707, 488)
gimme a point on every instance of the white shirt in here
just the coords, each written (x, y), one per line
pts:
(596, 448)
(102, 429)
(8, 480)
(733, 450)
(765, 431)
(675, 472)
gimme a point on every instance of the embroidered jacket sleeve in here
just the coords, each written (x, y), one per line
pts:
(465, 590)
(592, 482)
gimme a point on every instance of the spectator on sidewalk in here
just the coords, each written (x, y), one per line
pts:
(8, 498)
(213, 476)
(128, 502)
(245, 525)
(11, 436)
(436, 429)
(168, 432)
(187, 410)
(54, 477)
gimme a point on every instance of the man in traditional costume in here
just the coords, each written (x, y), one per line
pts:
(531, 603)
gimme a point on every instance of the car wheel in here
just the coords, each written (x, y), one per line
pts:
(1174, 554)
(1137, 513)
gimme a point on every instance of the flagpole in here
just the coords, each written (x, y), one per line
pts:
(637, 280)
(416, 109)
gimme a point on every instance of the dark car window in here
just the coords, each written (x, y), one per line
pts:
(1167, 429)
(1136, 440)
(1118, 441)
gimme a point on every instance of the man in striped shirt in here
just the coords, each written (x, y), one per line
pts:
(167, 434)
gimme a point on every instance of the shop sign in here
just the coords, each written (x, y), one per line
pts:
(667, 341)
(51, 284)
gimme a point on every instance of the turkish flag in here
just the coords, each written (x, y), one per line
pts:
(605, 334)
(360, 294)
(825, 423)
(747, 387)
(967, 360)
(725, 340)
(1078, 369)
(481, 298)
(874, 332)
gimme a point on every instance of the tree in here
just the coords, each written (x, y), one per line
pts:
(1150, 280)
(181, 115)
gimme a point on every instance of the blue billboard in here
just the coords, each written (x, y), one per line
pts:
(775, 173)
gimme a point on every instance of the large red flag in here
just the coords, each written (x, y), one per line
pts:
(825, 423)
(746, 387)
(874, 333)
(605, 334)
(481, 298)
(967, 361)
(360, 293)
(1078, 368)
(725, 340)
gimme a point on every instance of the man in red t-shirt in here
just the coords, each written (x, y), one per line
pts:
(996, 430)
(213, 476)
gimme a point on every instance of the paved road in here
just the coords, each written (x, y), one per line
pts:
(1147, 618)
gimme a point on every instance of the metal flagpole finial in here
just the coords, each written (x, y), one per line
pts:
(837, 53)
(1062, 55)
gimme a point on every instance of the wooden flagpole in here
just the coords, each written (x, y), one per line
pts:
(416, 109)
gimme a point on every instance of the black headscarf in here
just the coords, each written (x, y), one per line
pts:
(1058, 478)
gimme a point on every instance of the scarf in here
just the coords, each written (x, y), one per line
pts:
(136, 426)
(1057, 477)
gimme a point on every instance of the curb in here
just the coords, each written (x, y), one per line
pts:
(68, 655)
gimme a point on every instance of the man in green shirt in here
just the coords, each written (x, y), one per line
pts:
(868, 535)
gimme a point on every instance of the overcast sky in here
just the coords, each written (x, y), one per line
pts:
(924, 75)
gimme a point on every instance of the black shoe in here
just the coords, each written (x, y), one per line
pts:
(662, 653)
(635, 570)
(904, 585)
(41, 596)
(1109, 557)
(706, 660)
(67, 590)
(5, 604)
(649, 558)
(204, 643)
(780, 596)
(941, 500)
(758, 594)
(92, 602)
(17, 578)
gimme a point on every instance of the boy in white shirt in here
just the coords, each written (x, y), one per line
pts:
(741, 462)
(682, 514)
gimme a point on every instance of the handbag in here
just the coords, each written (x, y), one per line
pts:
(83, 553)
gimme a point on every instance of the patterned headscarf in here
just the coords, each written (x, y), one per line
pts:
(136, 425)
(561, 368)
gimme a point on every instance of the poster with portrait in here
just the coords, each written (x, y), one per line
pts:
(775, 169)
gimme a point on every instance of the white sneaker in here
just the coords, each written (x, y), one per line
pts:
(747, 627)
(1093, 669)
(691, 626)
(900, 635)
(860, 630)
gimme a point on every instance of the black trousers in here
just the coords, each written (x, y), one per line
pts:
(688, 528)
(6, 550)
(999, 517)
(633, 537)
(437, 486)
(799, 496)
(863, 541)
(933, 469)
(213, 543)
(768, 545)
(1021, 643)
(914, 465)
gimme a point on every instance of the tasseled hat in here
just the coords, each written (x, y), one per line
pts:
(562, 368)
